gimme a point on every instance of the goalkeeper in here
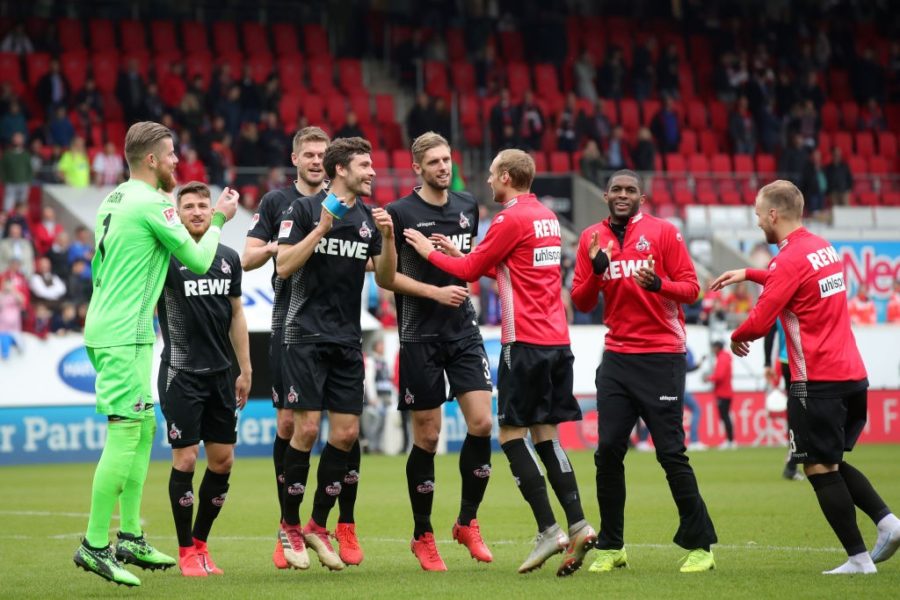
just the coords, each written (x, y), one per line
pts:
(137, 230)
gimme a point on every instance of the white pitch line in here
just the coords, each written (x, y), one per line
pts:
(257, 538)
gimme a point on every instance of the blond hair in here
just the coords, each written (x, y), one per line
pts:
(142, 139)
(784, 197)
(309, 134)
(426, 142)
(520, 167)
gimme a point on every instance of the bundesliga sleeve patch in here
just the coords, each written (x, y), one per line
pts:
(285, 230)
(253, 222)
(170, 215)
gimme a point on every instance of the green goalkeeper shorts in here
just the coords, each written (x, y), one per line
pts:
(123, 379)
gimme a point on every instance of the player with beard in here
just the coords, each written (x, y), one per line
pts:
(200, 400)
(439, 337)
(137, 231)
(645, 274)
(804, 287)
(523, 249)
(326, 260)
(309, 147)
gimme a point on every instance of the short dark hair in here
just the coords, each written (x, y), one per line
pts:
(342, 151)
(718, 345)
(624, 173)
(193, 187)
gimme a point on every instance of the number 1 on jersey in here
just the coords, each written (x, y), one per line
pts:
(100, 246)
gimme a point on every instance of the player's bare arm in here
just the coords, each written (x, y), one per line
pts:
(292, 257)
(386, 262)
(257, 253)
(240, 341)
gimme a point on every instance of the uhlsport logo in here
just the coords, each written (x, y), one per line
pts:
(76, 371)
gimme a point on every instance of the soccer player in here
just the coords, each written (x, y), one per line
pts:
(326, 259)
(522, 248)
(137, 230)
(197, 315)
(805, 288)
(309, 147)
(645, 274)
(439, 336)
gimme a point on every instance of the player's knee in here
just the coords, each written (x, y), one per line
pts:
(285, 426)
(222, 464)
(186, 462)
(344, 437)
(306, 432)
(480, 425)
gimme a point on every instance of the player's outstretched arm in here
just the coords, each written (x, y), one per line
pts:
(728, 278)
(240, 341)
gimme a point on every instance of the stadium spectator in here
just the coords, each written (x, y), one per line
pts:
(12, 122)
(893, 304)
(793, 160)
(723, 80)
(59, 255)
(14, 247)
(596, 127)
(65, 320)
(42, 167)
(248, 153)
(893, 72)
(862, 308)
(16, 173)
(503, 121)
(490, 75)
(840, 179)
(642, 70)
(130, 91)
(380, 396)
(867, 78)
(191, 112)
(19, 215)
(812, 91)
(271, 94)
(723, 391)
(768, 127)
(421, 117)
(12, 305)
(805, 122)
(871, 117)
(45, 285)
(592, 163)
(350, 128)
(73, 167)
(191, 168)
(618, 154)
(741, 128)
(45, 231)
(644, 153)
(666, 126)
(815, 185)
(53, 89)
(667, 72)
(586, 77)
(17, 41)
(251, 98)
(108, 167)
(90, 96)
(442, 119)
(60, 130)
(79, 285)
(786, 93)
(531, 121)
(152, 107)
(82, 247)
(173, 86)
(567, 139)
(611, 78)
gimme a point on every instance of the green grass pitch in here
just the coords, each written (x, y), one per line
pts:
(773, 540)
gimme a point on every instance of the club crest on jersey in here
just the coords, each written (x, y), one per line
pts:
(170, 215)
(334, 489)
(219, 500)
(351, 477)
(295, 489)
(274, 396)
(409, 397)
(253, 221)
(174, 432)
(482, 472)
(364, 230)
(226, 268)
(463, 221)
(292, 396)
(426, 487)
(285, 229)
(139, 405)
(642, 245)
(187, 499)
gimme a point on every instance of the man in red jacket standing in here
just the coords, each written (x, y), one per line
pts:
(721, 380)
(804, 286)
(645, 274)
(522, 248)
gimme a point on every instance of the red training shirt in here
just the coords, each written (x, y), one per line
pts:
(523, 243)
(721, 375)
(639, 321)
(805, 286)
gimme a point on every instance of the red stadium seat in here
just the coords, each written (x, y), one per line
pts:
(468, 110)
(824, 144)
(10, 70)
(101, 35)
(255, 39)
(830, 117)
(74, 68)
(865, 143)
(546, 81)
(696, 115)
(71, 34)
(163, 35)
(105, 67)
(649, 108)
(383, 193)
(285, 37)
(37, 64)
(435, 73)
(350, 76)
(456, 44)
(235, 62)
(730, 198)
(198, 63)
(698, 164)
(865, 198)
(844, 141)
(314, 109)
(260, 67)
(401, 160)
(709, 142)
(115, 132)
(765, 166)
(133, 37)
(384, 109)
(718, 116)
(540, 161)
(720, 164)
(512, 46)
(628, 111)
(707, 197)
(193, 37)
(225, 39)
(379, 160)
(849, 115)
(321, 75)
(560, 162)
(688, 143)
(838, 85)
(370, 132)
(676, 164)
(858, 165)
(289, 108)
(315, 41)
(462, 73)
(890, 198)
(887, 144)
(290, 72)
(878, 165)
(518, 79)
(359, 104)
(392, 135)
(684, 197)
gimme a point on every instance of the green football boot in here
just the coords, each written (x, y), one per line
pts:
(137, 551)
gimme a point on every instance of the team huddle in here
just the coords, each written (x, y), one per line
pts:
(322, 238)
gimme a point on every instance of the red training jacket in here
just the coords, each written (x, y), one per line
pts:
(639, 321)
(721, 375)
(523, 243)
(805, 286)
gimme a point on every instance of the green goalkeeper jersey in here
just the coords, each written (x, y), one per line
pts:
(137, 231)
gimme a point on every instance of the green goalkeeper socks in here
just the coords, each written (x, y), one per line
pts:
(130, 500)
(122, 441)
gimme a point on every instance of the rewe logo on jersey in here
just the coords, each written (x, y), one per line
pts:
(463, 241)
(207, 287)
(624, 268)
(823, 257)
(463, 221)
(546, 228)
(345, 248)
